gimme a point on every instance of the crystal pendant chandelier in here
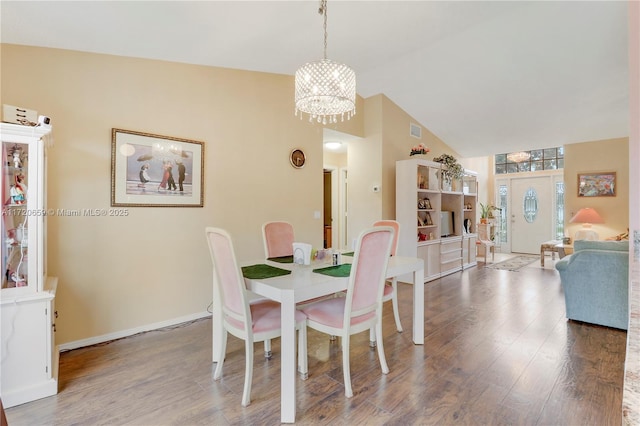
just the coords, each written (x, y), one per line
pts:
(325, 89)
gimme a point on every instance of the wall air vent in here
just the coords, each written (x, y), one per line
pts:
(415, 131)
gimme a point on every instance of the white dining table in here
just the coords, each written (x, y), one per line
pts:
(304, 284)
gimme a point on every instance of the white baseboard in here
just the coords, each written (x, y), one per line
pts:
(130, 332)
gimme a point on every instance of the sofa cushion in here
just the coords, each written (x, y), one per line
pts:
(600, 245)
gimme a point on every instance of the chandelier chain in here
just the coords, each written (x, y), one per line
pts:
(323, 11)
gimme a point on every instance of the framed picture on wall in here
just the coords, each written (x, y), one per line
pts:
(150, 170)
(597, 184)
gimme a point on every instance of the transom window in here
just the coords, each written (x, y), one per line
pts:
(538, 159)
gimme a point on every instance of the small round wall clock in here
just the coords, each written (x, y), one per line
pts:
(297, 158)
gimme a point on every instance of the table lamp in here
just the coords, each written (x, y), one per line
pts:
(586, 216)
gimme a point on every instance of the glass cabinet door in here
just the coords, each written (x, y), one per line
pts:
(22, 212)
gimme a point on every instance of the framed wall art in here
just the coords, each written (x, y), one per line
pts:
(597, 184)
(155, 171)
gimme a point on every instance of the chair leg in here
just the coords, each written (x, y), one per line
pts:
(223, 349)
(303, 362)
(383, 359)
(394, 302)
(267, 349)
(248, 372)
(346, 369)
(372, 338)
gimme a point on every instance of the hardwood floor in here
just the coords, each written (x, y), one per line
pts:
(498, 350)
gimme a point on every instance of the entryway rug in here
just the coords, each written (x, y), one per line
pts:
(515, 263)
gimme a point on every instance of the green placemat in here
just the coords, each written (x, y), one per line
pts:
(343, 270)
(350, 254)
(282, 259)
(260, 271)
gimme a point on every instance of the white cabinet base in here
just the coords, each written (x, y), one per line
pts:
(29, 363)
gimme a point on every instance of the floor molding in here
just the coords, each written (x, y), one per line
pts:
(130, 332)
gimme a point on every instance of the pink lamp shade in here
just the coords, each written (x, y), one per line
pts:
(586, 216)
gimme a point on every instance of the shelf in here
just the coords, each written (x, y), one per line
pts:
(441, 255)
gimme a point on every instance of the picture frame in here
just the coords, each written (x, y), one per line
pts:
(429, 222)
(597, 184)
(149, 170)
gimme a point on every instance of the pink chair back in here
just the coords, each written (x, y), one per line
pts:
(366, 283)
(278, 239)
(396, 228)
(230, 281)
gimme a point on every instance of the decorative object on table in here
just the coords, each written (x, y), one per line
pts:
(453, 171)
(514, 264)
(325, 89)
(302, 253)
(597, 184)
(486, 212)
(297, 158)
(422, 237)
(467, 226)
(586, 216)
(150, 170)
(420, 149)
(620, 237)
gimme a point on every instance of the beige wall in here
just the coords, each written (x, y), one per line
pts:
(372, 161)
(120, 273)
(598, 156)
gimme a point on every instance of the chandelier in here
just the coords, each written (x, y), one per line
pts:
(325, 89)
(518, 157)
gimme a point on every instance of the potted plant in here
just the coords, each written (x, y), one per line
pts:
(486, 212)
(454, 170)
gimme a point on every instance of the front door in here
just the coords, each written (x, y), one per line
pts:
(531, 213)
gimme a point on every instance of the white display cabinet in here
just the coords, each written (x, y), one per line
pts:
(29, 356)
(437, 217)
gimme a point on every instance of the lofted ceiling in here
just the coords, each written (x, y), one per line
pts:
(486, 77)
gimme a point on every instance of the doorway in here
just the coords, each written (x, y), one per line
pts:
(327, 213)
(531, 210)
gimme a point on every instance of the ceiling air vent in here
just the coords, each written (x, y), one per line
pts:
(415, 131)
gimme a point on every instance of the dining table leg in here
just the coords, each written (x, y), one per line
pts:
(288, 364)
(418, 307)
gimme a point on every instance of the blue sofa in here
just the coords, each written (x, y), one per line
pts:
(595, 279)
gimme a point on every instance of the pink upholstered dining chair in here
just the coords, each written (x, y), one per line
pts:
(255, 322)
(278, 239)
(361, 308)
(391, 288)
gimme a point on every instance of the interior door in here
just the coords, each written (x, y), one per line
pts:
(531, 213)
